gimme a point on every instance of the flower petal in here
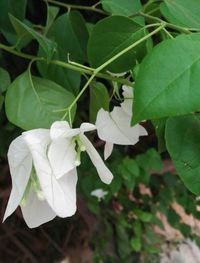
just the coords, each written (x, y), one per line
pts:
(62, 156)
(99, 193)
(115, 127)
(127, 92)
(61, 129)
(143, 132)
(86, 126)
(20, 163)
(104, 173)
(36, 212)
(68, 185)
(108, 148)
(127, 104)
(37, 142)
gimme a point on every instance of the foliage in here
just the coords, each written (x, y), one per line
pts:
(72, 62)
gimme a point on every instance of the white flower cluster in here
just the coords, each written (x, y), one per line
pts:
(43, 162)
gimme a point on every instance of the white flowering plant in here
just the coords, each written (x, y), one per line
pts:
(88, 88)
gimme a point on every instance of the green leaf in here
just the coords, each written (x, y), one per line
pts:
(31, 102)
(183, 144)
(124, 8)
(93, 206)
(123, 245)
(173, 218)
(17, 9)
(131, 166)
(1, 101)
(4, 80)
(185, 230)
(116, 184)
(184, 13)
(112, 35)
(52, 12)
(68, 79)
(99, 98)
(150, 161)
(137, 227)
(129, 170)
(168, 80)
(136, 244)
(70, 33)
(159, 125)
(145, 217)
(23, 31)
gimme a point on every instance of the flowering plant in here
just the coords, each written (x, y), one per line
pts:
(128, 77)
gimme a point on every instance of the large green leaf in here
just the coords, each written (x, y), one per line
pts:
(31, 102)
(112, 35)
(168, 80)
(23, 31)
(4, 80)
(124, 8)
(184, 13)
(99, 98)
(70, 33)
(183, 144)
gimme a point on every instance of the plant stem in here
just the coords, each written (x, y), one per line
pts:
(15, 52)
(80, 7)
(97, 70)
(68, 110)
(148, 4)
(169, 25)
(66, 65)
(153, 10)
(168, 33)
(90, 72)
(130, 47)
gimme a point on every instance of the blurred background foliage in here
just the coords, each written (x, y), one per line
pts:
(133, 221)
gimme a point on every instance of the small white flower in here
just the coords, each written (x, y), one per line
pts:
(67, 145)
(115, 127)
(35, 187)
(99, 193)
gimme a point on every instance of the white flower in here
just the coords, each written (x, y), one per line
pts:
(99, 193)
(115, 127)
(35, 187)
(65, 150)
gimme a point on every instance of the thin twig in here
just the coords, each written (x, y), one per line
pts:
(78, 7)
